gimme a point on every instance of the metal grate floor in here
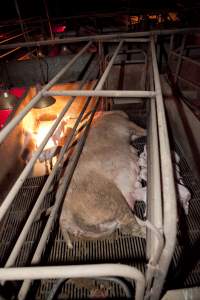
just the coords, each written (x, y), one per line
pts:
(185, 268)
(120, 249)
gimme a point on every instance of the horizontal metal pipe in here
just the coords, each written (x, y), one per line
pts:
(83, 271)
(101, 37)
(24, 232)
(103, 93)
(125, 51)
(168, 185)
(129, 40)
(15, 36)
(194, 85)
(136, 61)
(9, 52)
(7, 129)
(15, 22)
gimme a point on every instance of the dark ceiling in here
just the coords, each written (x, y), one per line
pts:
(66, 8)
(63, 8)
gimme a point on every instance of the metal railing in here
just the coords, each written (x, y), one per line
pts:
(163, 242)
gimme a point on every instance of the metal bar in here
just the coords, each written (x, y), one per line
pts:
(125, 51)
(144, 74)
(7, 129)
(178, 66)
(28, 53)
(103, 93)
(9, 33)
(168, 186)
(9, 52)
(107, 71)
(84, 271)
(14, 37)
(48, 18)
(20, 20)
(136, 61)
(187, 58)
(14, 22)
(194, 85)
(154, 197)
(171, 45)
(58, 164)
(102, 37)
(129, 40)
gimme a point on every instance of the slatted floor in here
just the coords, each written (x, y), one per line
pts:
(123, 248)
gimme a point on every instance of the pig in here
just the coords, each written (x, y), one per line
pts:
(100, 197)
(95, 208)
(183, 194)
(109, 152)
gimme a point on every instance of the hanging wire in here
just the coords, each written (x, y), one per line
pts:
(41, 68)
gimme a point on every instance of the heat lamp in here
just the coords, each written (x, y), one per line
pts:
(44, 101)
(7, 100)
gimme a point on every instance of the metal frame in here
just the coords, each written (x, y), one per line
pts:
(103, 37)
(165, 225)
(179, 54)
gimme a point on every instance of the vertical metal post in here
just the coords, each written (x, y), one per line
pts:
(20, 20)
(168, 186)
(48, 18)
(154, 207)
(101, 57)
(101, 70)
(178, 66)
(171, 46)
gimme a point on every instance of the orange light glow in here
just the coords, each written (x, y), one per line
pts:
(173, 16)
(134, 19)
(42, 131)
(57, 137)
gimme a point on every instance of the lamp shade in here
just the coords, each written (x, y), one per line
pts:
(7, 100)
(45, 101)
